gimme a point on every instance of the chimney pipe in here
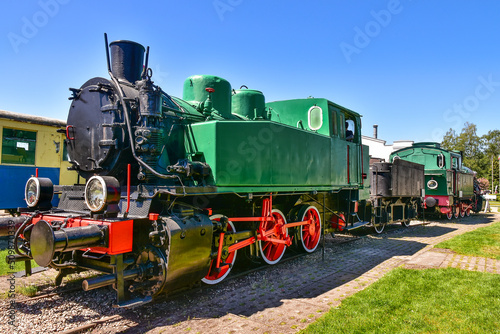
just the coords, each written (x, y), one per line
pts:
(375, 127)
(127, 60)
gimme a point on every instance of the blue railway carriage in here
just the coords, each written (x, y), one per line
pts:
(30, 144)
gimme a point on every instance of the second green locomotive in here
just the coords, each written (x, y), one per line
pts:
(449, 186)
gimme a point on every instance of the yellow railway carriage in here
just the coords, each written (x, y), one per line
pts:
(30, 143)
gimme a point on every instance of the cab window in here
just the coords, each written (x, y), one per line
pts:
(315, 118)
(441, 161)
(350, 128)
(334, 123)
(341, 122)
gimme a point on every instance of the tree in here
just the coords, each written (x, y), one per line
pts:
(449, 140)
(491, 153)
(484, 184)
(480, 153)
(469, 144)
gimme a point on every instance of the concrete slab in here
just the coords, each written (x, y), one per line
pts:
(428, 259)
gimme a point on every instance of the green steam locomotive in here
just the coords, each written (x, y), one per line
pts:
(178, 188)
(450, 188)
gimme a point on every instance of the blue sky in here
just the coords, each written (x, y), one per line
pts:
(415, 68)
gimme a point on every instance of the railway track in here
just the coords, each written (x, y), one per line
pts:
(93, 324)
(53, 294)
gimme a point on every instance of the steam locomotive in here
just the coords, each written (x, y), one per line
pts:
(178, 188)
(451, 189)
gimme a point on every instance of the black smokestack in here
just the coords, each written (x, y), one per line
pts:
(127, 59)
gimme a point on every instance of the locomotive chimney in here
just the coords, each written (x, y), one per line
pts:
(127, 59)
(375, 128)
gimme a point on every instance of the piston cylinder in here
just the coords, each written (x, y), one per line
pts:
(45, 241)
(101, 281)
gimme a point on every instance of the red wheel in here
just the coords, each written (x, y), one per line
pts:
(456, 212)
(271, 252)
(338, 222)
(462, 211)
(310, 233)
(449, 214)
(467, 212)
(215, 275)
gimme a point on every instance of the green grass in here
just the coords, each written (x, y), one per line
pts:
(484, 241)
(5, 268)
(23, 289)
(27, 290)
(419, 301)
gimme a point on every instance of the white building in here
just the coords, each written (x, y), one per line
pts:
(379, 150)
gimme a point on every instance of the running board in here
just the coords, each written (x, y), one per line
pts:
(134, 302)
(356, 225)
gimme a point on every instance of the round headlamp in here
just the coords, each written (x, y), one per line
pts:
(101, 191)
(432, 184)
(430, 202)
(38, 192)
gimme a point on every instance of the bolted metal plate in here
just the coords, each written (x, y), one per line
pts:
(93, 127)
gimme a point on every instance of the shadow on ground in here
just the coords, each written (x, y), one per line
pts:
(306, 277)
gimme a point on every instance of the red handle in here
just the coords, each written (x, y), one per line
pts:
(67, 132)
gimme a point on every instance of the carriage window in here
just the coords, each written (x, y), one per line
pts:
(18, 147)
(454, 163)
(65, 151)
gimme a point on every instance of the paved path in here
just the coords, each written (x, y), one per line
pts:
(443, 258)
(293, 297)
